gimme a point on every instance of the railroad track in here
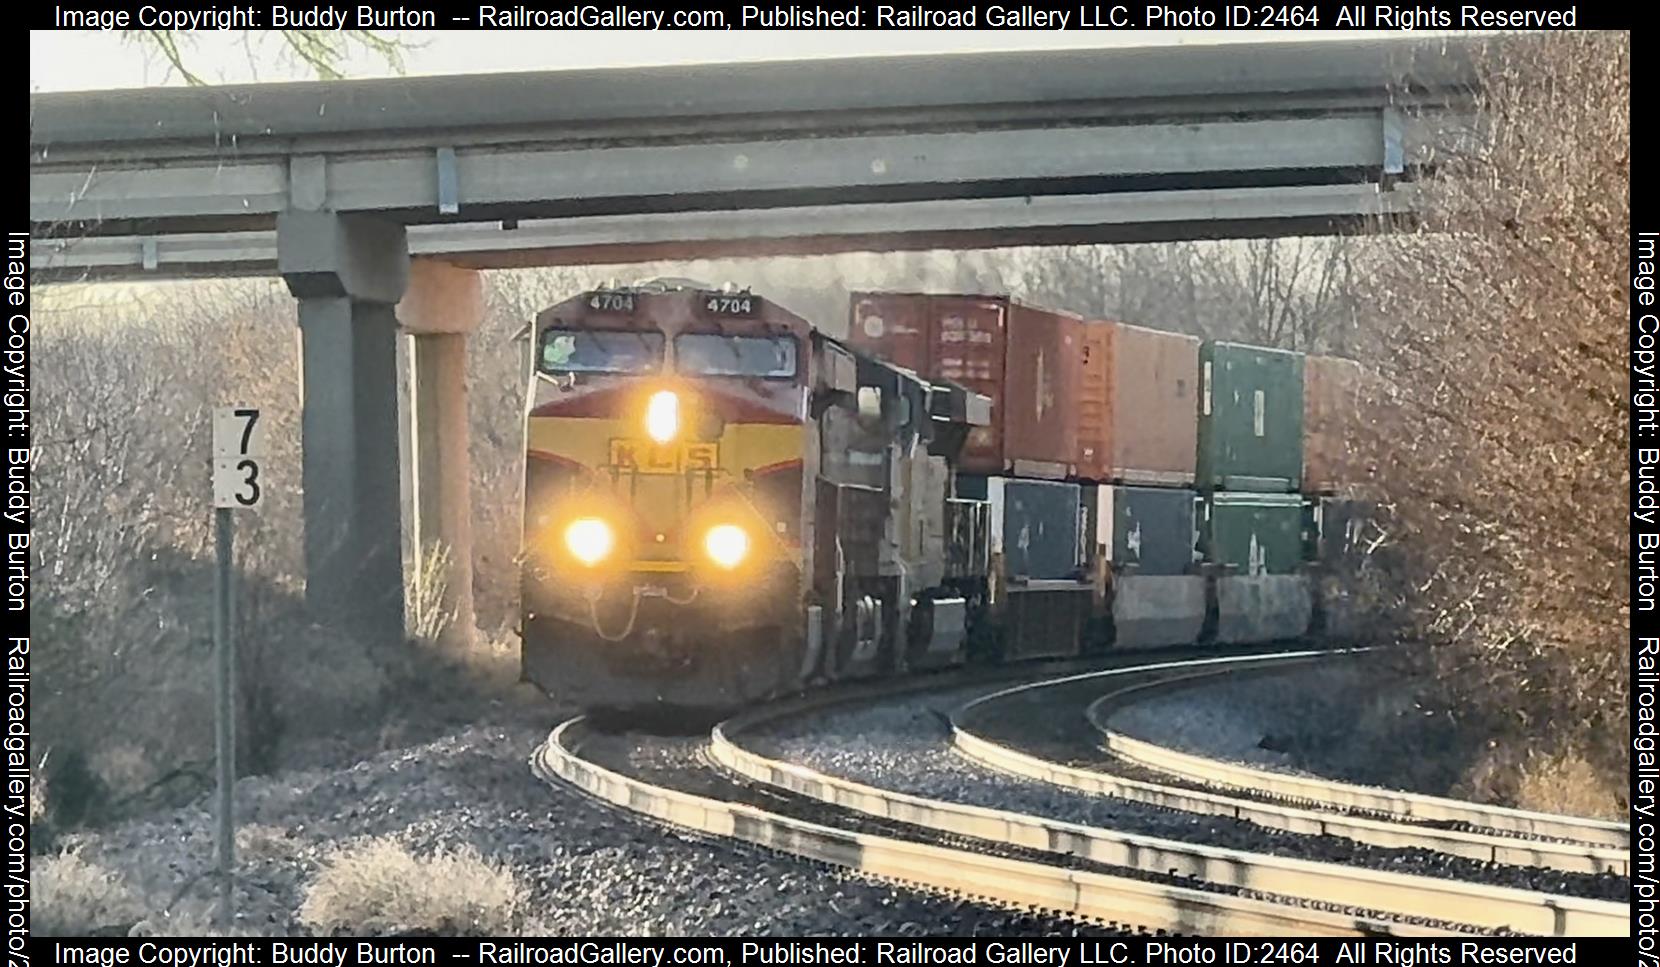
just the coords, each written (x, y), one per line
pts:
(1382, 827)
(1396, 805)
(1123, 903)
(967, 855)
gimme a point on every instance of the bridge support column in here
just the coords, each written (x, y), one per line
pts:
(348, 272)
(443, 304)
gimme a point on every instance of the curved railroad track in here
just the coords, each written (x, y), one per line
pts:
(1381, 827)
(1122, 903)
(1319, 793)
(1124, 881)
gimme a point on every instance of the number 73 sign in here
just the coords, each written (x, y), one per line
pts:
(238, 448)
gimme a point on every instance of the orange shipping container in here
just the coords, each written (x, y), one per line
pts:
(1335, 408)
(1137, 409)
(1022, 357)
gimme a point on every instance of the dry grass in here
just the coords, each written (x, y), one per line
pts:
(72, 896)
(380, 887)
(426, 610)
(1561, 781)
(1566, 782)
(262, 841)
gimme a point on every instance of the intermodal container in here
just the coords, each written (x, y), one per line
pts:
(1333, 409)
(1041, 528)
(1339, 529)
(1250, 418)
(1146, 530)
(1021, 357)
(1137, 419)
(1252, 533)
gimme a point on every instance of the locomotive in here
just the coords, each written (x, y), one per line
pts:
(724, 504)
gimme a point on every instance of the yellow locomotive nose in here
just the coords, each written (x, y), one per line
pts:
(663, 416)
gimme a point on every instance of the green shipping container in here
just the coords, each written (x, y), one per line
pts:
(1250, 418)
(1254, 533)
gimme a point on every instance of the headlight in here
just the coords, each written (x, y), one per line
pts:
(589, 540)
(726, 545)
(663, 416)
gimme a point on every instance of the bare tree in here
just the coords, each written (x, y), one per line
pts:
(1502, 323)
(1293, 293)
(321, 52)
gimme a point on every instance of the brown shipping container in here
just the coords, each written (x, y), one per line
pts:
(966, 345)
(1334, 405)
(892, 327)
(1040, 392)
(1023, 358)
(1137, 409)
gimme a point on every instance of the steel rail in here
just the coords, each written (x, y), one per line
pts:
(1570, 857)
(1112, 900)
(1435, 898)
(1330, 794)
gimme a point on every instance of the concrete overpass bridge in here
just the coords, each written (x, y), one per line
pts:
(378, 201)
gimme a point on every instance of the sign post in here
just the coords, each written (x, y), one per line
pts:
(238, 446)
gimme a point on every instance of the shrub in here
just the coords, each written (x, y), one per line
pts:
(72, 896)
(380, 887)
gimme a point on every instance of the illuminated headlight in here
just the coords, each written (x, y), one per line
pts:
(726, 545)
(663, 416)
(589, 540)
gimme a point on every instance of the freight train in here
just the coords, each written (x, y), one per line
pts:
(723, 504)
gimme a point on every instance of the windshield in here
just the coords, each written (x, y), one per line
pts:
(588, 351)
(710, 354)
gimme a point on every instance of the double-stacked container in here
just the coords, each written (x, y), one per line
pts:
(1249, 472)
(1025, 359)
(1137, 440)
(1347, 418)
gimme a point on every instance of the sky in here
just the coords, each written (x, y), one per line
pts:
(86, 60)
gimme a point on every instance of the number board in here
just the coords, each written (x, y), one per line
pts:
(607, 301)
(238, 449)
(729, 303)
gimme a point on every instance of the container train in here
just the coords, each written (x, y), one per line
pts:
(723, 504)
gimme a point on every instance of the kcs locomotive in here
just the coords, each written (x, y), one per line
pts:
(724, 505)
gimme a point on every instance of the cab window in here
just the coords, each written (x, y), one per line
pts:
(600, 351)
(712, 354)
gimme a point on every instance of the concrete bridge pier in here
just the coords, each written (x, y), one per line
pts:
(442, 305)
(348, 273)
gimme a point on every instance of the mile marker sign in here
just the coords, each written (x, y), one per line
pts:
(238, 448)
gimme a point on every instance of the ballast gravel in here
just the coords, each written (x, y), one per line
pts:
(587, 870)
(903, 744)
(1355, 721)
